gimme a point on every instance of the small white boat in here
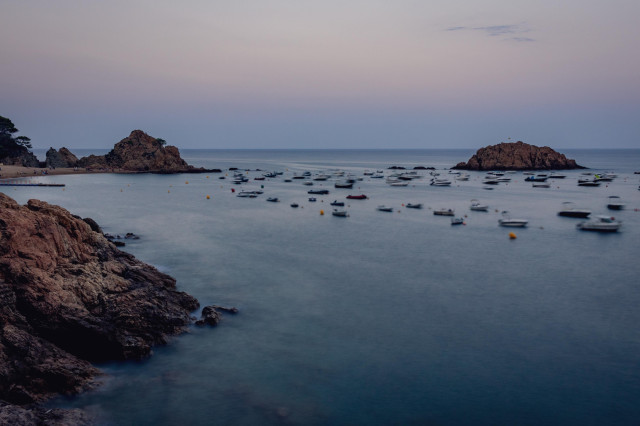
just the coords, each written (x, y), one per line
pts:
(307, 183)
(273, 199)
(384, 208)
(510, 222)
(440, 182)
(615, 203)
(457, 221)
(414, 206)
(600, 224)
(340, 213)
(247, 194)
(478, 207)
(444, 212)
(463, 177)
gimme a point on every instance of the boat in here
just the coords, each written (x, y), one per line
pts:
(398, 183)
(490, 181)
(414, 206)
(340, 213)
(259, 178)
(557, 176)
(312, 199)
(357, 197)
(443, 212)
(615, 203)
(570, 211)
(384, 208)
(588, 182)
(307, 183)
(457, 221)
(440, 182)
(478, 207)
(318, 191)
(294, 205)
(321, 177)
(540, 185)
(600, 224)
(273, 199)
(510, 222)
(536, 178)
(247, 194)
(346, 185)
(463, 177)
(337, 203)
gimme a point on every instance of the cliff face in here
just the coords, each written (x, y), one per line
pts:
(517, 156)
(140, 153)
(68, 295)
(15, 155)
(62, 158)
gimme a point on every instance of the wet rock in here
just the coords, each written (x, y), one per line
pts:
(69, 296)
(210, 316)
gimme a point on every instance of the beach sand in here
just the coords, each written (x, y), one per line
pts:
(8, 172)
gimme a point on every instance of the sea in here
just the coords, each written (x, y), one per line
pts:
(378, 318)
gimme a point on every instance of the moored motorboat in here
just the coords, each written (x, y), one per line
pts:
(457, 221)
(294, 205)
(339, 213)
(312, 199)
(337, 203)
(440, 182)
(588, 182)
(615, 203)
(478, 207)
(357, 197)
(536, 178)
(318, 191)
(273, 199)
(346, 185)
(384, 208)
(443, 212)
(569, 210)
(600, 224)
(414, 206)
(540, 185)
(510, 222)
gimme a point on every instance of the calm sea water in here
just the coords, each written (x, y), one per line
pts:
(379, 318)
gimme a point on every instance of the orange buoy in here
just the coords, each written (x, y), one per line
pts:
(321, 212)
(186, 183)
(512, 236)
(208, 197)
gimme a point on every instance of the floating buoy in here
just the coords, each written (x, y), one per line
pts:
(208, 197)
(512, 236)
(321, 212)
(207, 177)
(168, 191)
(262, 186)
(186, 183)
(233, 190)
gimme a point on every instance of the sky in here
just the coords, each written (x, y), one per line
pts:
(331, 74)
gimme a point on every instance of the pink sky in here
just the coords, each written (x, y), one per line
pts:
(295, 74)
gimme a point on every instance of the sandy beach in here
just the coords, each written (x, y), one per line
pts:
(9, 172)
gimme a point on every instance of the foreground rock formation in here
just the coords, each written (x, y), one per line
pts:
(69, 296)
(517, 156)
(141, 153)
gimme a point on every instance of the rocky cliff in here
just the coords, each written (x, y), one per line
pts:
(61, 159)
(140, 152)
(69, 296)
(15, 155)
(517, 156)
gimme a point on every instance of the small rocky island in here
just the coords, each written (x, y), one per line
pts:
(69, 297)
(517, 156)
(137, 153)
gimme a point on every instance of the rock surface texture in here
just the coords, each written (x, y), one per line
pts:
(141, 153)
(517, 156)
(69, 296)
(62, 158)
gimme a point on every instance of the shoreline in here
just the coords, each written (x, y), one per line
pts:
(14, 172)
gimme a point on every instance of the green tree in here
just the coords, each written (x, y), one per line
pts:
(7, 127)
(162, 141)
(23, 141)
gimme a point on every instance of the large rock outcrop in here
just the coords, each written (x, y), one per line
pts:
(141, 153)
(517, 156)
(16, 155)
(69, 296)
(61, 159)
